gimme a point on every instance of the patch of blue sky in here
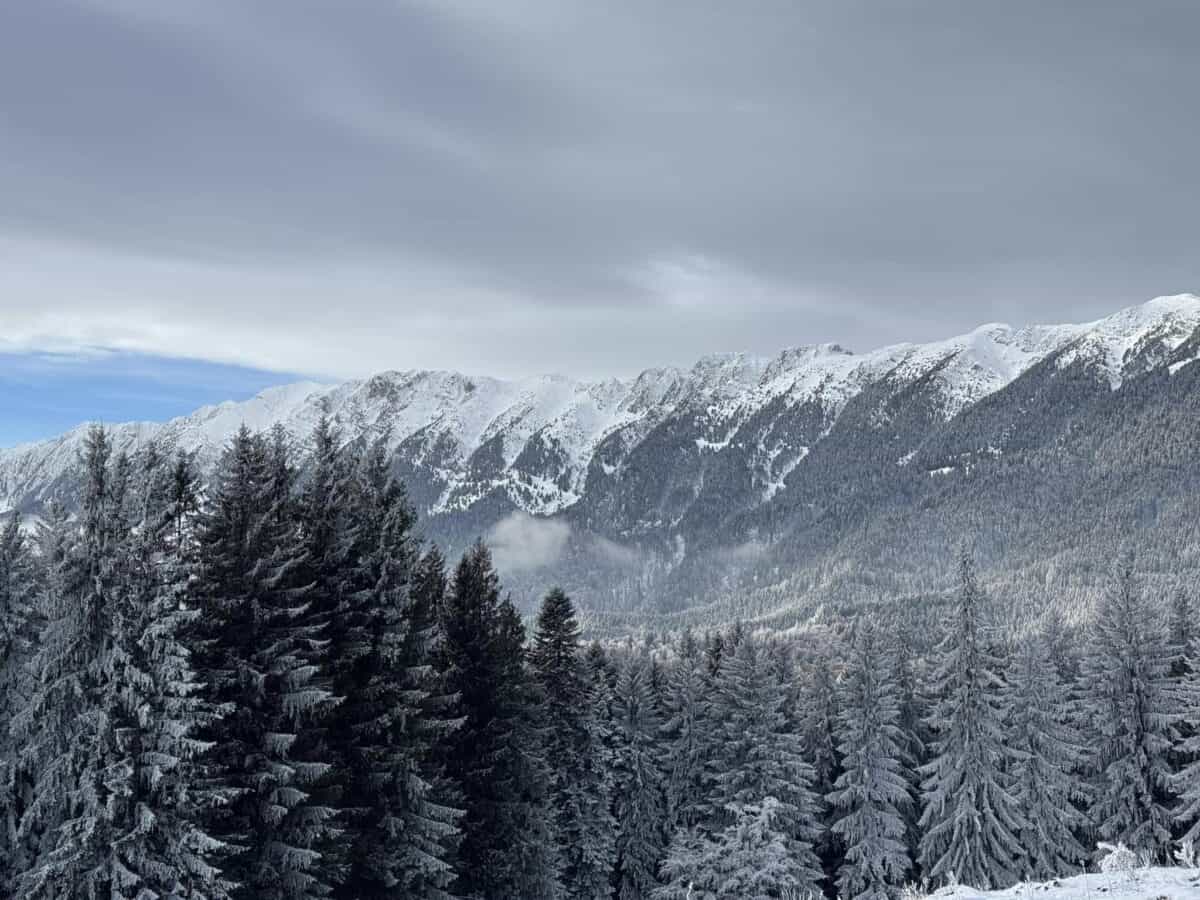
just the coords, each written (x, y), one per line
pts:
(45, 394)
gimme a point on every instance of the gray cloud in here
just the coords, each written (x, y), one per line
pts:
(537, 186)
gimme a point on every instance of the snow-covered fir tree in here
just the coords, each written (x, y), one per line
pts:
(688, 731)
(399, 833)
(970, 819)
(261, 652)
(749, 859)
(871, 796)
(494, 757)
(758, 789)
(817, 716)
(640, 790)
(580, 790)
(1132, 706)
(18, 637)
(1049, 761)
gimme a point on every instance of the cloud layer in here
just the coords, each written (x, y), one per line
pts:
(540, 185)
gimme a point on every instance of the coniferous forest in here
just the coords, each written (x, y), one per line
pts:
(264, 685)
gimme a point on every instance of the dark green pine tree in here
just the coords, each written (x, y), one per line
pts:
(261, 653)
(492, 758)
(580, 793)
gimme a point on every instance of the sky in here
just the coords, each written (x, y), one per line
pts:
(216, 195)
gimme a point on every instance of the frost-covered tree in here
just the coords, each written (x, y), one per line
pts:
(871, 796)
(640, 800)
(688, 732)
(969, 817)
(119, 800)
(818, 710)
(749, 859)
(399, 831)
(261, 651)
(18, 637)
(1046, 771)
(760, 757)
(580, 789)
(67, 739)
(494, 757)
(1132, 707)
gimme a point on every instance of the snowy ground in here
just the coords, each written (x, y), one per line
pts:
(1139, 884)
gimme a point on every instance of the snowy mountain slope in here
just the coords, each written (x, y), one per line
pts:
(535, 441)
(1139, 884)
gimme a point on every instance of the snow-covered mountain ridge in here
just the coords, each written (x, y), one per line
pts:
(540, 442)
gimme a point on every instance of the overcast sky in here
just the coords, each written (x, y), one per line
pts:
(334, 188)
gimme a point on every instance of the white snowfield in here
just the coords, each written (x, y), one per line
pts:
(444, 418)
(1135, 884)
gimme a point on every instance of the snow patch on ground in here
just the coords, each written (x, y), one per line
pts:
(1138, 884)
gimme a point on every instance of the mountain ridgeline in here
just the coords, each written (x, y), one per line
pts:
(773, 488)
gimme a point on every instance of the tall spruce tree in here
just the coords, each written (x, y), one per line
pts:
(18, 639)
(1046, 773)
(761, 757)
(640, 807)
(689, 734)
(818, 711)
(970, 819)
(68, 740)
(580, 790)
(1133, 708)
(261, 654)
(398, 832)
(871, 796)
(117, 801)
(481, 661)
(758, 839)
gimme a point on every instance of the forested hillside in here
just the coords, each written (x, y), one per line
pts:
(261, 683)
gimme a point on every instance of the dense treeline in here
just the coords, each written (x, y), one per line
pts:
(267, 687)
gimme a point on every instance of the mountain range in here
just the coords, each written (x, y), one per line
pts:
(772, 487)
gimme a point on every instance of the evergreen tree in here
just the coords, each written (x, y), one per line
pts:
(400, 833)
(1045, 774)
(818, 709)
(580, 792)
(261, 654)
(688, 730)
(1132, 706)
(117, 803)
(749, 859)
(970, 819)
(871, 795)
(481, 660)
(18, 637)
(68, 742)
(640, 807)
(760, 757)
